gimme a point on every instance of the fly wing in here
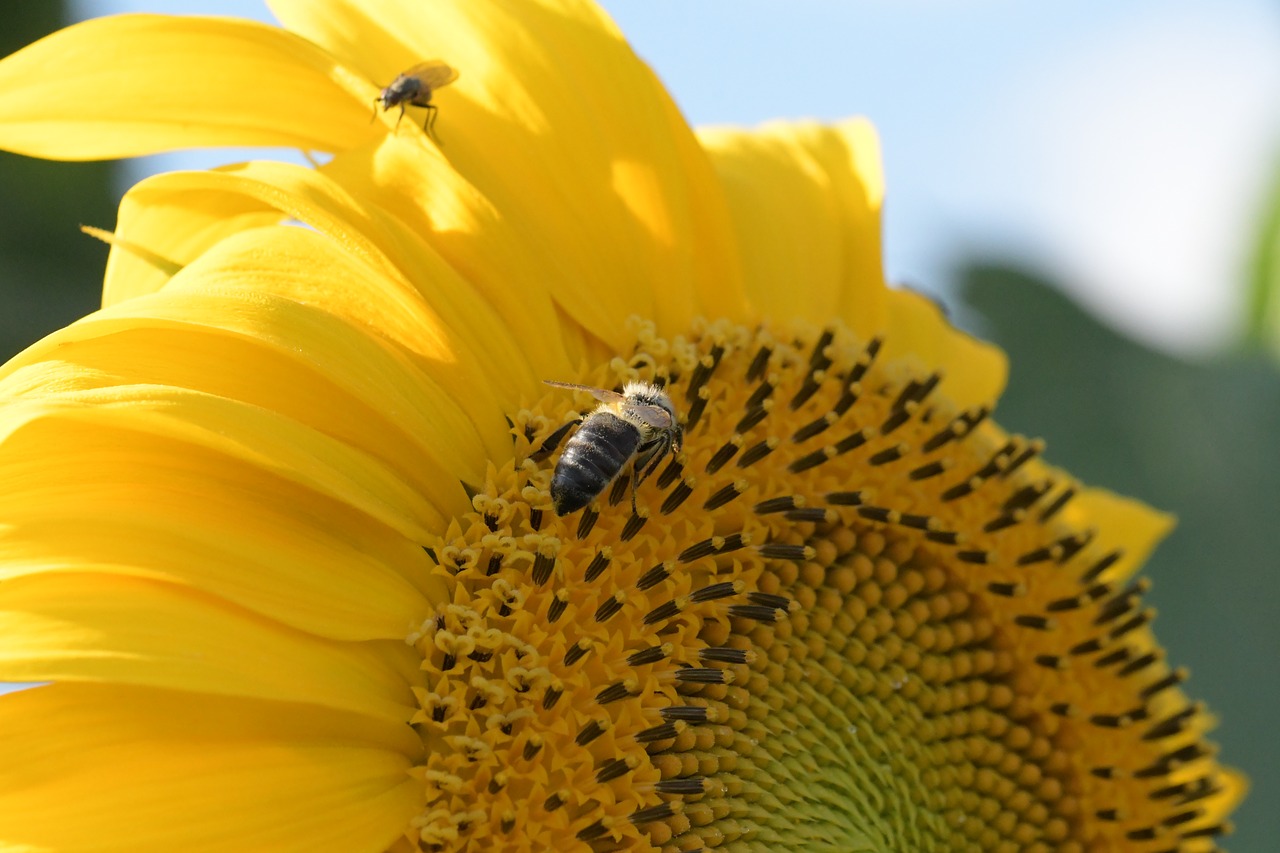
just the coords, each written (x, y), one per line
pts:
(602, 394)
(433, 73)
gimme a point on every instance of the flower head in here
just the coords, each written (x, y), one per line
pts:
(277, 521)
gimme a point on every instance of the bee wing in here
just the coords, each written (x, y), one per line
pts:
(433, 73)
(655, 416)
(602, 394)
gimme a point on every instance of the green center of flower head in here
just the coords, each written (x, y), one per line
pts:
(838, 619)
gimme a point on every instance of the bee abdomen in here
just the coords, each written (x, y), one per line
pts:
(592, 458)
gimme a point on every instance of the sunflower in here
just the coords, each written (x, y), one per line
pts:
(276, 523)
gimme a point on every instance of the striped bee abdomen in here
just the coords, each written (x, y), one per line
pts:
(592, 458)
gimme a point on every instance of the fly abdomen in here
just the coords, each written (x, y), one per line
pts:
(592, 458)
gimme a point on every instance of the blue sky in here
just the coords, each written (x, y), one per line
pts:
(1124, 145)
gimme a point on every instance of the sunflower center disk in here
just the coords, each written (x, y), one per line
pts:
(819, 630)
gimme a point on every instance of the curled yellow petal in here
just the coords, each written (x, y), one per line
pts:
(138, 84)
(387, 274)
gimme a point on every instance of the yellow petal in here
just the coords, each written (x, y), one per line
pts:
(550, 98)
(118, 630)
(218, 435)
(496, 253)
(292, 355)
(424, 304)
(166, 216)
(137, 84)
(973, 371)
(805, 200)
(215, 774)
(106, 490)
(1122, 524)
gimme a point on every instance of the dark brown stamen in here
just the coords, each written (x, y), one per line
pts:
(932, 469)
(558, 603)
(575, 652)
(757, 612)
(1056, 505)
(724, 589)
(694, 414)
(598, 564)
(632, 527)
(614, 768)
(706, 366)
(752, 418)
(814, 427)
(720, 654)
(703, 675)
(590, 732)
(552, 441)
(779, 504)
(811, 384)
(1101, 566)
(586, 521)
(676, 497)
(663, 811)
(542, 566)
(610, 607)
(785, 551)
(614, 692)
(691, 785)
(757, 452)
(663, 612)
(724, 454)
(663, 731)
(758, 364)
(1173, 679)
(619, 489)
(653, 576)
(653, 654)
(685, 713)
(726, 493)
(670, 474)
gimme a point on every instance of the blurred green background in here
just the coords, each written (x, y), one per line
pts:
(1198, 439)
(50, 273)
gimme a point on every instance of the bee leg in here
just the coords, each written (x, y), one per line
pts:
(646, 461)
(373, 117)
(638, 473)
(400, 119)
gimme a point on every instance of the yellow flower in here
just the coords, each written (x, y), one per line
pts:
(275, 522)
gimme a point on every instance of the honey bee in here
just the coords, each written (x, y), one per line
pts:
(636, 428)
(415, 87)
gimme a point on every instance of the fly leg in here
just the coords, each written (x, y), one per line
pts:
(430, 124)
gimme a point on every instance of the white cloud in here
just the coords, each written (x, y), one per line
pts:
(1134, 162)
